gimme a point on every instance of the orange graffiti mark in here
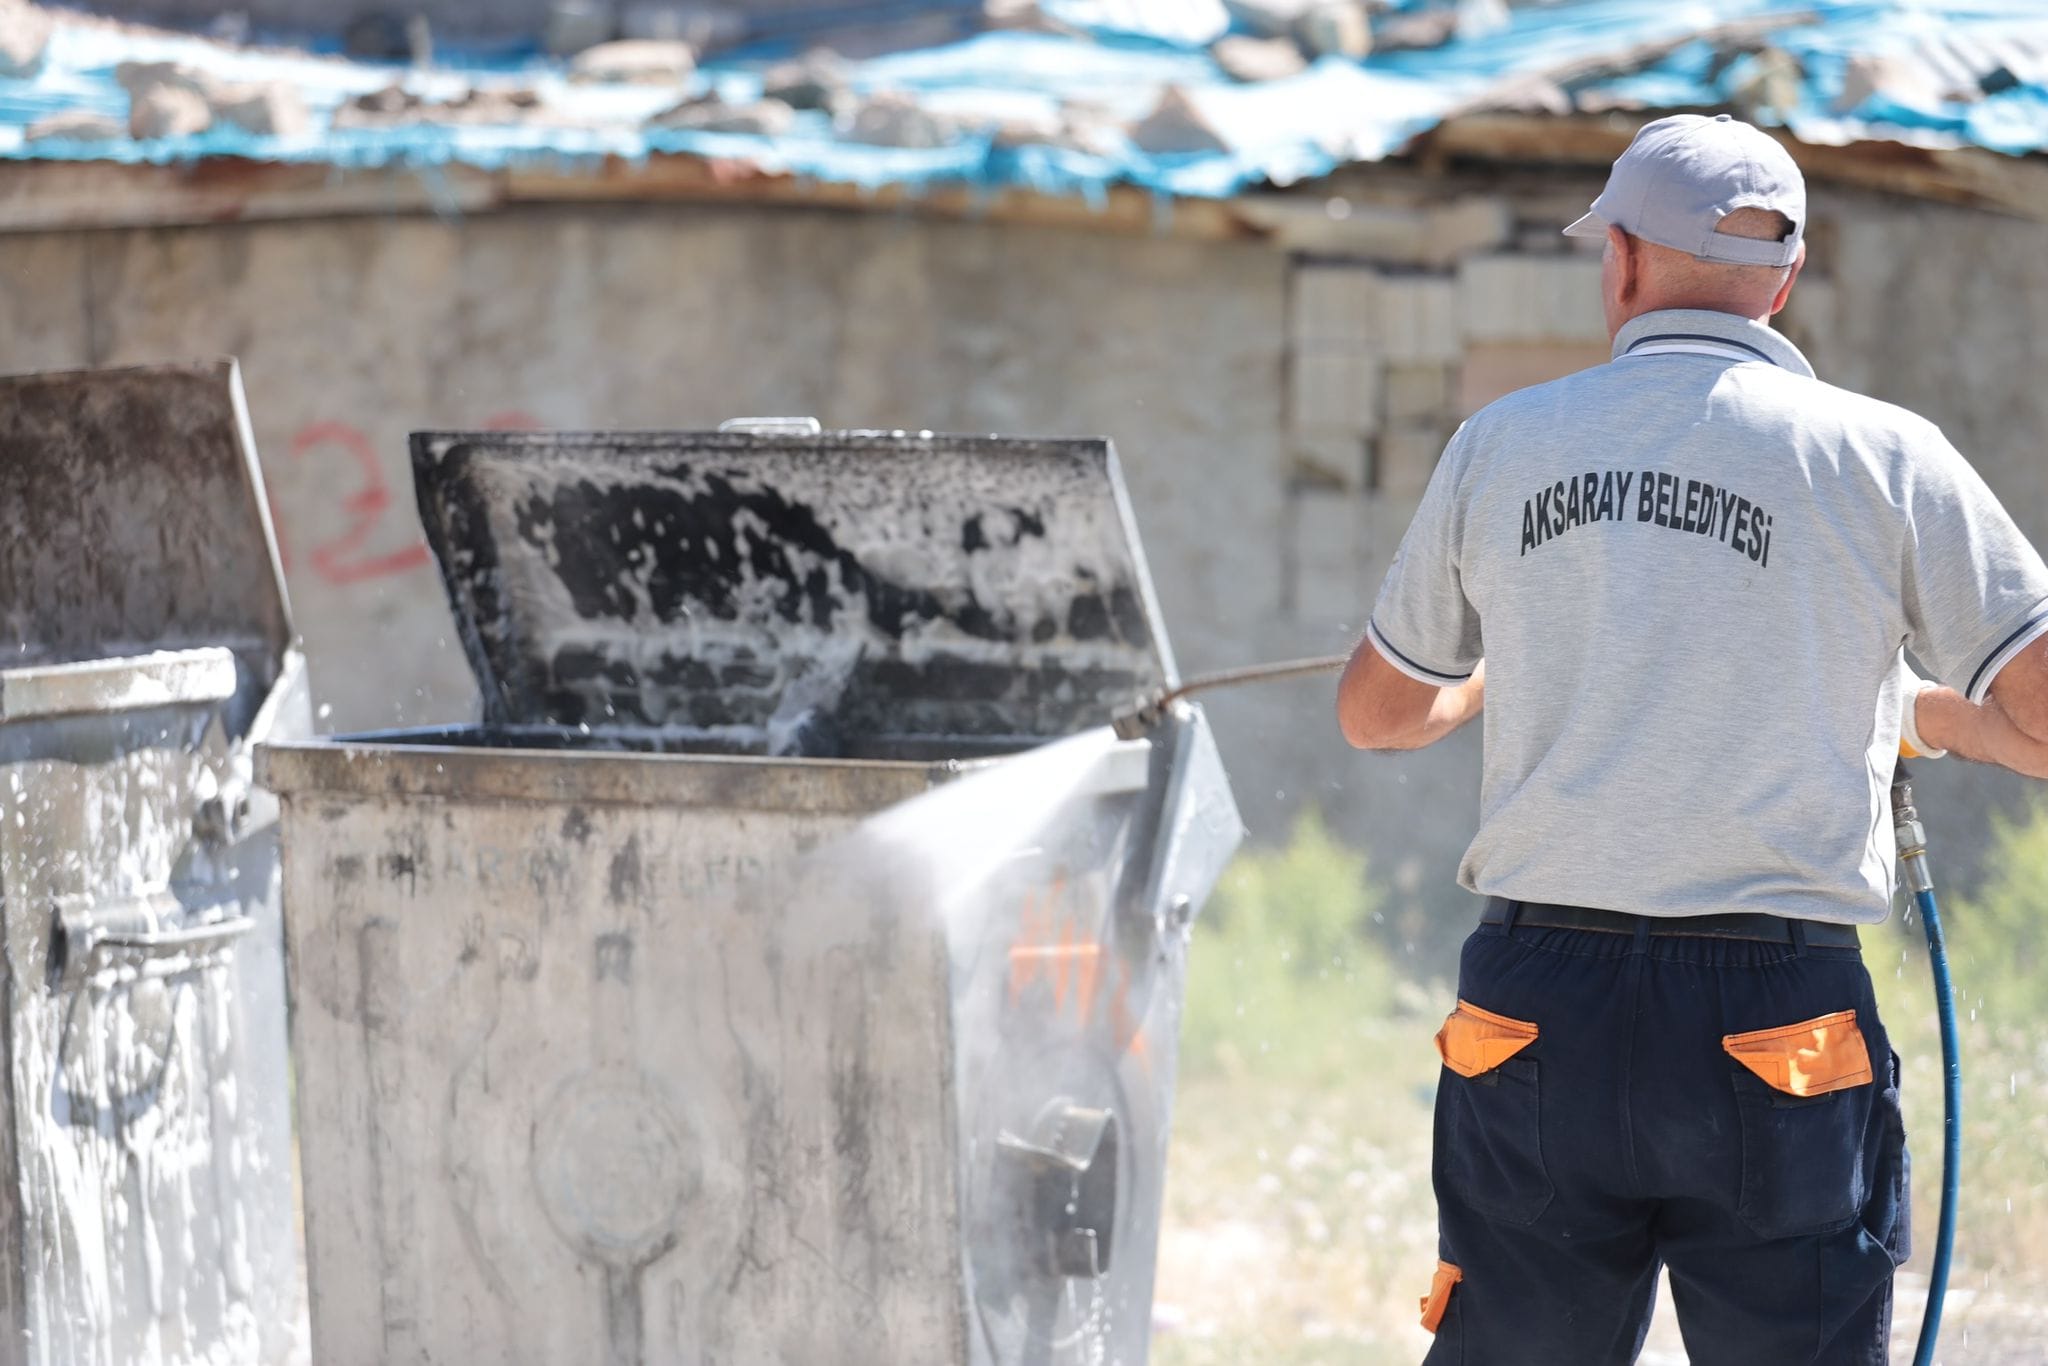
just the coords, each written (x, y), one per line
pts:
(1053, 948)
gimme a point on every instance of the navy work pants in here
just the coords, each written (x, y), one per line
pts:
(1612, 1103)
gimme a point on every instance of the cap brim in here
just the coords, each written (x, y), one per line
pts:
(1592, 225)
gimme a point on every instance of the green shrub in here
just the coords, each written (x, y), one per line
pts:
(1283, 969)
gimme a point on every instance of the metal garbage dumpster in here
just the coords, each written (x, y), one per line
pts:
(624, 1034)
(146, 1208)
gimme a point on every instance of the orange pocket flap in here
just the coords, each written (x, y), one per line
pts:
(1474, 1040)
(1810, 1058)
(1439, 1297)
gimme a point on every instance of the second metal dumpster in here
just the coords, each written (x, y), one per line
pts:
(624, 1034)
(145, 1142)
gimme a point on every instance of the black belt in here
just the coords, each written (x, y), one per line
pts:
(1771, 929)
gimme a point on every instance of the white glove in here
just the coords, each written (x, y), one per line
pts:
(1910, 743)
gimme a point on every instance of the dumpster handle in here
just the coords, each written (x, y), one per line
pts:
(140, 948)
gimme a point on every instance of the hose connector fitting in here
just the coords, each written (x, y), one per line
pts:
(1912, 836)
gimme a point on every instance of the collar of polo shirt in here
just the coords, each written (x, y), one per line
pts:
(1704, 332)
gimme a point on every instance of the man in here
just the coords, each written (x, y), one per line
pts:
(1690, 573)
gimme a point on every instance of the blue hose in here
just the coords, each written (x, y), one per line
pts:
(1951, 1125)
(1918, 876)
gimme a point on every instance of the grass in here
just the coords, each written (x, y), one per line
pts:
(1299, 1224)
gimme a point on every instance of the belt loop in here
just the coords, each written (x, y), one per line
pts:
(1799, 936)
(1509, 916)
(1642, 944)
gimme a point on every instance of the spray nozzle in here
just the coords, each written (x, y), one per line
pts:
(1152, 709)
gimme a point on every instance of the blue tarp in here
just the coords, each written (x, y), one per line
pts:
(1118, 60)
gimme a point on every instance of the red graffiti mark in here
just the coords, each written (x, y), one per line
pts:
(512, 420)
(341, 559)
(1052, 948)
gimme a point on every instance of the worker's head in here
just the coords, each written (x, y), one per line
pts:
(1699, 213)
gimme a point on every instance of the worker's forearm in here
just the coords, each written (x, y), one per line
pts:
(1451, 708)
(1948, 720)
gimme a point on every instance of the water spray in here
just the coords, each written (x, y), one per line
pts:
(1920, 881)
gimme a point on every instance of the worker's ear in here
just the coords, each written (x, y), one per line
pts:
(1785, 289)
(1624, 270)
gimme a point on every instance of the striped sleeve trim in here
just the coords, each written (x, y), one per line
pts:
(2035, 627)
(1419, 672)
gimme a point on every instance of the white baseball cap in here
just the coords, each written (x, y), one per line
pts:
(1683, 174)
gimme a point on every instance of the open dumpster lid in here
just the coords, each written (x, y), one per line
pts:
(132, 519)
(795, 592)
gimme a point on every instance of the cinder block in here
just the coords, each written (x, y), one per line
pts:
(1328, 585)
(1404, 458)
(1418, 318)
(1494, 369)
(1333, 391)
(1333, 307)
(1418, 393)
(1530, 298)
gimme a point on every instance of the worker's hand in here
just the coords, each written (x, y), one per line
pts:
(1947, 720)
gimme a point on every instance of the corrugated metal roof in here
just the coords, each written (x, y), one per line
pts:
(1063, 110)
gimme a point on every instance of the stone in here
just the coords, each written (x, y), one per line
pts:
(1404, 32)
(272, 109)
(1333, 391)
(167, 112)
(1510, 297)
(1772, 84)
(1335, 28)
(893, 119)
(75, 125)
(24, 37)
(817, 80)
(1495, 369)
(394, 106)
(140, 77)
(1176, 127)
(637, 61)
(710, 114)
(1258, 59)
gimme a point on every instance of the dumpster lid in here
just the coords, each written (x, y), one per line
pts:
(132, 518)
(814, 591)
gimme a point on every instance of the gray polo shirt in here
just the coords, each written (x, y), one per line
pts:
(1691, 572)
